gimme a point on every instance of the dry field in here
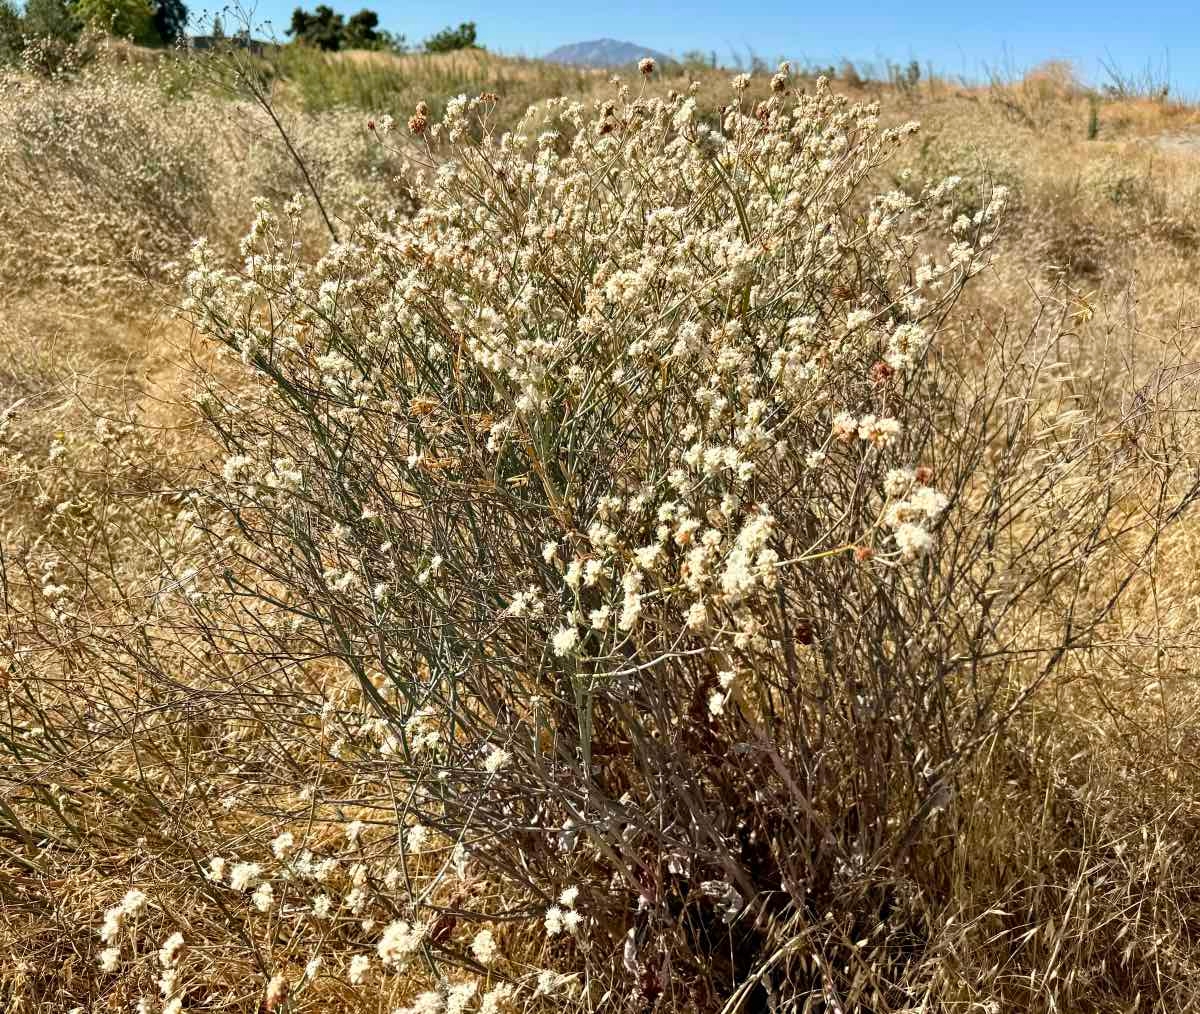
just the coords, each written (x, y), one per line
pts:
(696, 545)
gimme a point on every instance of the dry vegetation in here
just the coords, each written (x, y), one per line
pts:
(686, 556)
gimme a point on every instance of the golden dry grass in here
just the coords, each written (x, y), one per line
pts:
(1090, 901)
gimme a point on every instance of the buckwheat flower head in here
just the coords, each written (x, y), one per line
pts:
(283, 845)
(133, 902)
(354, 831)
(496, 999)
(648, 556)
(646, 66)
(216, 869)
(277, 993)
(322, 906)
(168, 954)
(168, 982)
(244, 876)
(568, 897)
(878, 432)
(114, 919)
(460, 995)
(175, 1006)
(360, 968)
(549, 982)
(912, 540)
(844, 426)
(400, 941)
(484, 947)
(564, 640)
(898, 481)
(554, 920)
(497, 760)
(263, 897)
(429, 1002)
(414, 840)
(927, 501)
(110, 959)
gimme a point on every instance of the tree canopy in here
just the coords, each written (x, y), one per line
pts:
(450, 39)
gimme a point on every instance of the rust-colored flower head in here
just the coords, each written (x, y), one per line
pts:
(863, 553)
(924, 475)
(881, 373)
(646, 66)
(277, 994)
(417, 123)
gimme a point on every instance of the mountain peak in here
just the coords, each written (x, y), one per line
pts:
(603, 53)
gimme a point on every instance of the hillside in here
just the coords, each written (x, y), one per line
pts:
(603, 53)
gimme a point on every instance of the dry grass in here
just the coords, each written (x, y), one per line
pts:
(138, 744)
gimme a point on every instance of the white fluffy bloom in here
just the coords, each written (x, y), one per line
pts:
(496, 999)
(497, 760)
(912, 540)
(844, 426)
(564, 640)
(283, 845)
(878, 432)
(898, 481)
(484, 947)
(110, 959)
(360, 968)
(568, 897)
(244, 876)
(554, 920)
(648, 556)
(263, 897)
(429, 1002)
(927, 501)
(400, 942)
(133, 902)
(114, 919)
(168, 954)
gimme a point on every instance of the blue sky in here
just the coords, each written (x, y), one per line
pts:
(958, 37)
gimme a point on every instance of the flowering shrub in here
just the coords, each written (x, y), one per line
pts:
(618, 583)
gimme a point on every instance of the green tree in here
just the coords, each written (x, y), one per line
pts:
(132, 19)
(323, 28)
(362, 30)
(170, 20)
(450, 39)
(53, 18)
(10, 31)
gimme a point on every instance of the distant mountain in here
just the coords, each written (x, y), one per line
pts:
(603, 53)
